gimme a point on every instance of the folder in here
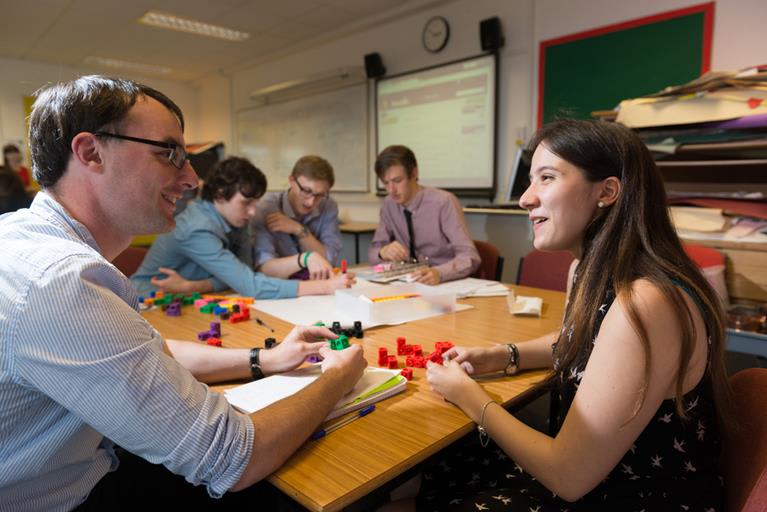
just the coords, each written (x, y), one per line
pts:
(375, 384)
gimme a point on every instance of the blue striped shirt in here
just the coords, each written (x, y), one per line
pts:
(80, 369)
(200, 248)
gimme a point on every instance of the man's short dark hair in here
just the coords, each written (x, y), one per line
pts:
(86, 104)
(395, 155)
(233, 175)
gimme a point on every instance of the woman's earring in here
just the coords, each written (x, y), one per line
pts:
(600, 204)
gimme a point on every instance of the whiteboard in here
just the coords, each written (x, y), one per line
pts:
(332, 125)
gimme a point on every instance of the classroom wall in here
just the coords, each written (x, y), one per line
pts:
(22, 78)
(399, 43)
(738, 42)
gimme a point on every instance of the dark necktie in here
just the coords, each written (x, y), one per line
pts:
(409, 220)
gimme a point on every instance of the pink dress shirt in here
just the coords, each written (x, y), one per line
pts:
(440, 233)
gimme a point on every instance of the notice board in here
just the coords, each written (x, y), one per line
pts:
(596, 69)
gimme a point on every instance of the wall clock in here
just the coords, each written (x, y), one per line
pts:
(435, 35)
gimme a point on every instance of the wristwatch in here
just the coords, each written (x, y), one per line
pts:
(255, 364)
(304, 232)
(512, 366)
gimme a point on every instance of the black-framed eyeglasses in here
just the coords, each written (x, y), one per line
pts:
(177, 156)
(307, 192)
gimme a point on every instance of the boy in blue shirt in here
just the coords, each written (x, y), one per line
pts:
(204, 252)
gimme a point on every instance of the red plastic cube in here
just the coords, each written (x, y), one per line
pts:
(407, 373)
(435, 357)
(383, 356)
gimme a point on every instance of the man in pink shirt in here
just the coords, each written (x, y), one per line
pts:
(420, 223)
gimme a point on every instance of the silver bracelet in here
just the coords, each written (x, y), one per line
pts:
(484, 438)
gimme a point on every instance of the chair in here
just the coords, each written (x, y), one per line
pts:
(744, 449)
(545, 270)
(491, 264)
(130, 260)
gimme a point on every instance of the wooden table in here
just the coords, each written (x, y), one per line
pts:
(341, 468)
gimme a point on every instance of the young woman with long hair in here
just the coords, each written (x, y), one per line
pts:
(637, 366)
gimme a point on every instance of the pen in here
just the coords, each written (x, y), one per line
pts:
(263, 324)
(335, 426)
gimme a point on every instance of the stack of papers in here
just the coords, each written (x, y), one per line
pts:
(472, 287)
(695, 218)
(374, 385)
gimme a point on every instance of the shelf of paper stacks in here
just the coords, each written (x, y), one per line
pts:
(742, 240)
(394, 303)
(708, 136)
(715, 96)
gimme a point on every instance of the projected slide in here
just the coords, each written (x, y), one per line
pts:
(446, 115)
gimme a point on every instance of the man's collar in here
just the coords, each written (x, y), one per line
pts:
(50, 209)
(211, 208)
(416, 201)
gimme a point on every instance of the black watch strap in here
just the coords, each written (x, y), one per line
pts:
(255, 364)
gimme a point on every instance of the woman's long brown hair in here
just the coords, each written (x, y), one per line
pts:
(629, 240)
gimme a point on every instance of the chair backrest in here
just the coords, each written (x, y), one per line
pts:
(491, 264)
(744, 448)
(130, 260)
(545, 270)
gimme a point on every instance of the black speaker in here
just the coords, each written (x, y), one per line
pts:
(491, 34)
(374, 65)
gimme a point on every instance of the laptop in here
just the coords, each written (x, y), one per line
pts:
(518, 183)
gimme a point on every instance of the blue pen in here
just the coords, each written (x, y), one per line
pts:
(335, 426)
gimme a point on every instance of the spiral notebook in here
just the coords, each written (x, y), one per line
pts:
(375, 384)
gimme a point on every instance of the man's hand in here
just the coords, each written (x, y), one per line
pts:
(298, 345)
(428, 275)
(339, 282)
(319, 267)
(394, 251)
(349, 361)
(174, 283)
(281, 223)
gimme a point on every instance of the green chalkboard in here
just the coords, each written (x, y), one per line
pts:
(595, 70)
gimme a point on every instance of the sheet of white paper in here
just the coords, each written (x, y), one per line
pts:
(258, 394)
(469, 286)
(307, 310)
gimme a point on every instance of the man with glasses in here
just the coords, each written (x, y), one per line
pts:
(81, 371)
(296, 231)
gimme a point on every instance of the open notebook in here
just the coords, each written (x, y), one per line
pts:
(374, 385)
